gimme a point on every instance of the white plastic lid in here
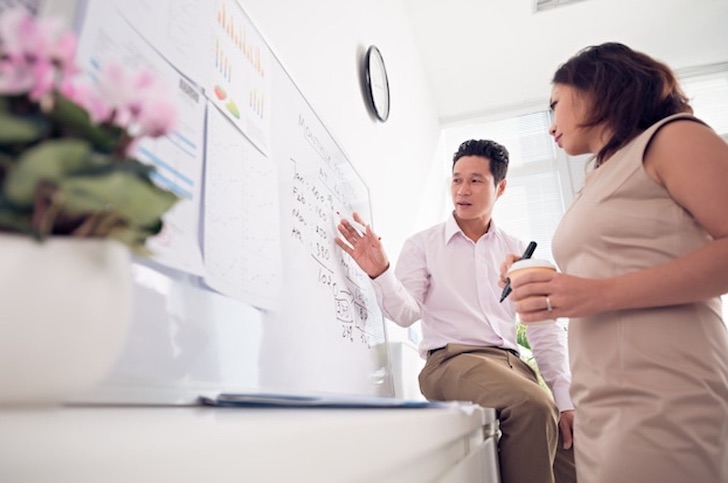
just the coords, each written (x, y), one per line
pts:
(531, 263)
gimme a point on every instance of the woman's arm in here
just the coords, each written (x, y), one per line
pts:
(691, 162)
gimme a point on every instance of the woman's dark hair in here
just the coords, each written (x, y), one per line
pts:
(496, 154)
(628, 91)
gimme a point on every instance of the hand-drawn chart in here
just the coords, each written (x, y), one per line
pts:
(241, 231)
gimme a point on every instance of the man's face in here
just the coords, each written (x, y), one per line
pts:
(473, 191)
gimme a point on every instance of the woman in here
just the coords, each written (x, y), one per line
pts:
(643, 255)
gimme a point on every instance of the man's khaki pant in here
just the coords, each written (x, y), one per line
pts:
(529, 449)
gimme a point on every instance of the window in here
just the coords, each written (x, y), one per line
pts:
(708, 93)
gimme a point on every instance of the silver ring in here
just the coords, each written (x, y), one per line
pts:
(548, 304)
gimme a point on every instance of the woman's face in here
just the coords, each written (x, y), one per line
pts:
(570, 107)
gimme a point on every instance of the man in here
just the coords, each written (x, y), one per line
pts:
(448, 277)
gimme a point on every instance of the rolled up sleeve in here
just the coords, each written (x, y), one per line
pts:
(549, 346)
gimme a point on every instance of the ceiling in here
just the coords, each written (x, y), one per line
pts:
(483, 57)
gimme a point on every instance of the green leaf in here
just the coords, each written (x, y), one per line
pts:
(14, 129)
(75, 121)
(15, 222)
(79, 183)
(105, 164)
(137, 200)
(49, 161)
(135, 238)
(13, 218)
(521, 338)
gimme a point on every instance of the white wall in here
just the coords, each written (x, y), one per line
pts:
(322, 43)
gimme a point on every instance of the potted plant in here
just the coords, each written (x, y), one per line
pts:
(74, 205)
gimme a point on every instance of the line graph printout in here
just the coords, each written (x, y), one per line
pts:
(240, 81)
(241, 229)
(178, 156)
(181, 30)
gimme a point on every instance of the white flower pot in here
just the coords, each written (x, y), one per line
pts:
(65, 307)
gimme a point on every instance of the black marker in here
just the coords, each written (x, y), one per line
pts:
(527, 254)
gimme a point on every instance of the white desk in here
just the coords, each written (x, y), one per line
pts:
(220, 445)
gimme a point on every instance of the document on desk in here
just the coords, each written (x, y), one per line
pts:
(261, 400)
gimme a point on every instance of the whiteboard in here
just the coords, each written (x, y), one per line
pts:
(274, 305)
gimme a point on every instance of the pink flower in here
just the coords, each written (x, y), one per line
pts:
(64, 50)
(138, 101)
(158, 118)
(14, 27)
(34, 53)
(86, 96)
(16, 76)
(120, 90)
(158, 114)
(37, 58)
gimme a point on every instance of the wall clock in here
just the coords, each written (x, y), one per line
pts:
(377, 83)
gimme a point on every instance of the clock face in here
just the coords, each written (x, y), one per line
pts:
(378, 84)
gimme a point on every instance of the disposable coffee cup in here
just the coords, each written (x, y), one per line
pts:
(522, 267)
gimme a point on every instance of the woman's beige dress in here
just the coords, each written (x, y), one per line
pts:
(650, 386)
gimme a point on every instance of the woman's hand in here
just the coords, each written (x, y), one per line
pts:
(566, 296)
(365, 248)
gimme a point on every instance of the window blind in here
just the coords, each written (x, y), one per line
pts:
(708, 95)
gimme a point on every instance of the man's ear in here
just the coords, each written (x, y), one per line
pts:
(500, 188)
